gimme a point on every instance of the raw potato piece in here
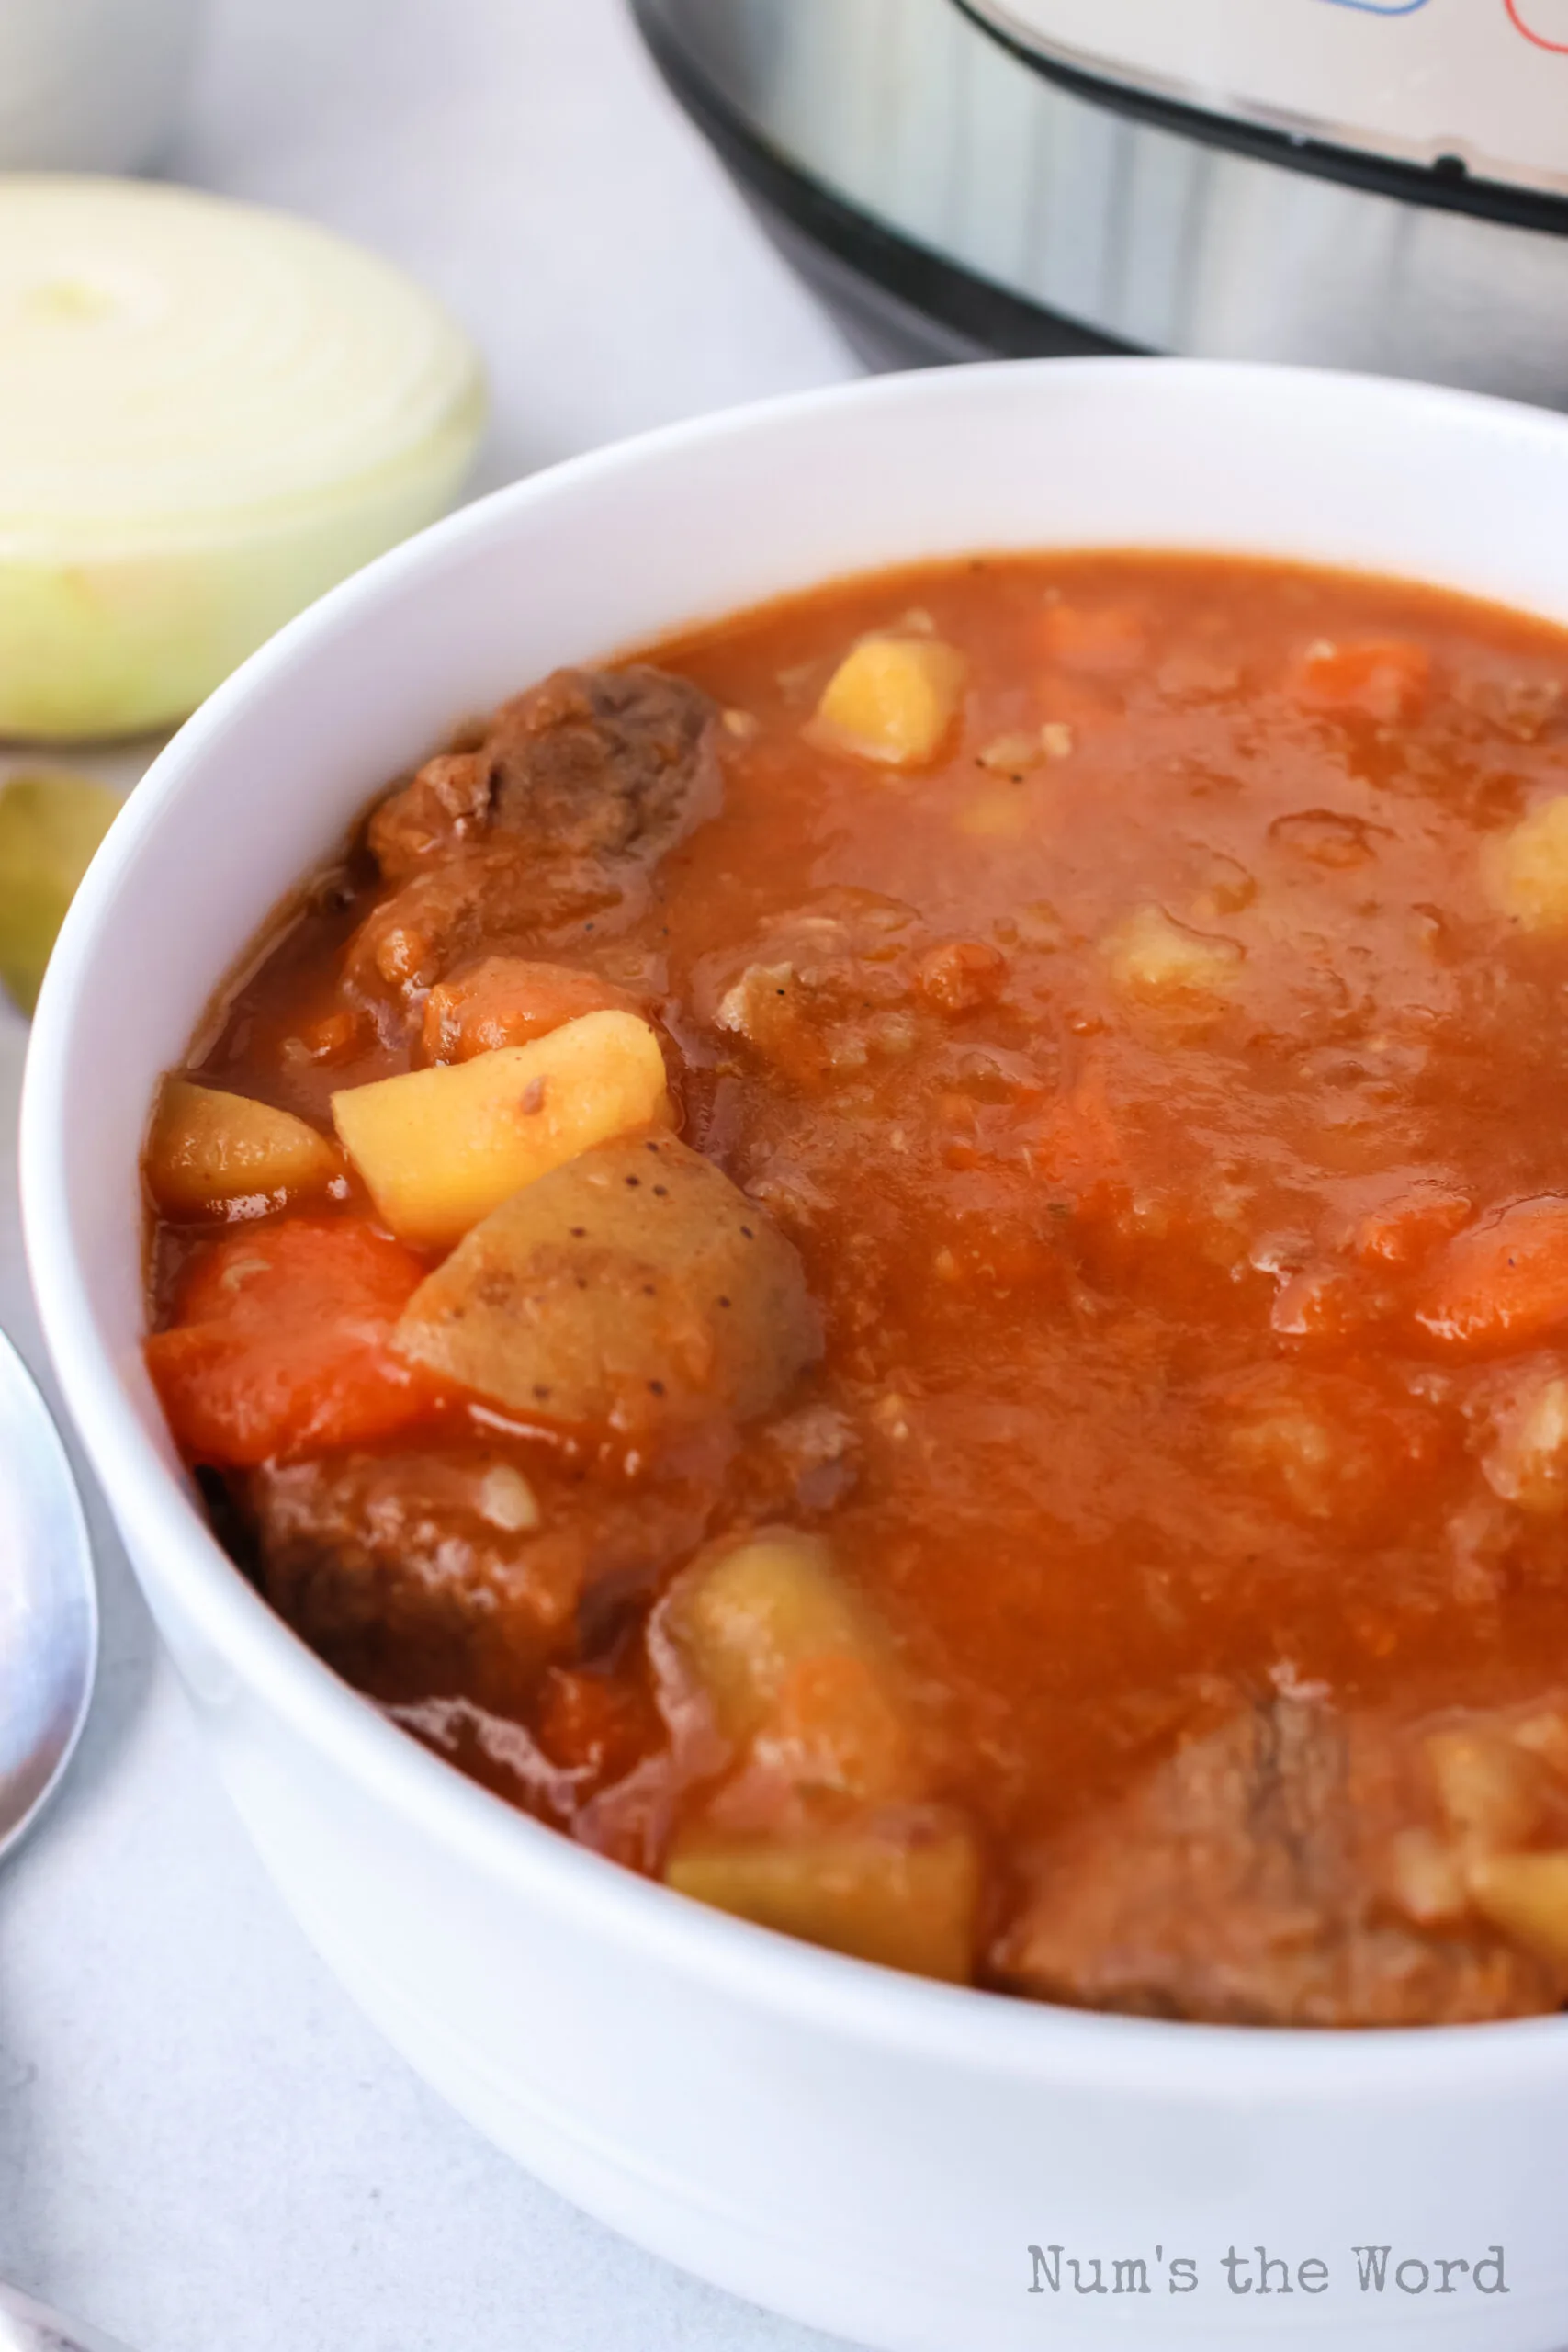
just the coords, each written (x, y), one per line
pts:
(902, 1890)
(634, 1286)
(440, 1148)
(1526, 871)
(209, 1149)
(894, 699)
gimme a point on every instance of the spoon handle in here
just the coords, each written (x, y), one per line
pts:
(27, 2327)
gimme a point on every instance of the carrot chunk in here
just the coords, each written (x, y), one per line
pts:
(279, 1344)
(507, 1000)
(1079, 1146)
(1094, 637)
(1402, 1230)
(1503, 1280)
(1383, 678)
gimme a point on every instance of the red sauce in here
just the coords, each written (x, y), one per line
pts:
(1149, 1099)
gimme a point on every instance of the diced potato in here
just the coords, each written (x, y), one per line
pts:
(51, 824)
(1427, 1879)
(962, 975)
(1526, 1895)
(792, 1666)
(1017, 754)
(209, 1149)
(1153, 960)
(1528, 1462)
(1545, 1734)
(903, 1890)
(894, 699)
(743, 1618)
(1492, 1792)
(632, 1286)
(1526, 871)
(440, 1148)
(1321, 1447)
(1294, 1448)
(837, 1727)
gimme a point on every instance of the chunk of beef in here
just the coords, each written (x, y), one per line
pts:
(448, 1569)
(1243, 1882)
(578, 788)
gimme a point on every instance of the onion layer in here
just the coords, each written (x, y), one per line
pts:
(208, 415)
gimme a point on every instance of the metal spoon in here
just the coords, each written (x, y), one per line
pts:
(27, 2327)
(49, 1606)
(49, 1650)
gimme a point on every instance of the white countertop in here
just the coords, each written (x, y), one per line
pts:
(202, 2146)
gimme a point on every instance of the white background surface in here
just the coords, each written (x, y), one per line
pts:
(202, 2148)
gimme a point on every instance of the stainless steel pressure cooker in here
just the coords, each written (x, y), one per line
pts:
(1371, 183)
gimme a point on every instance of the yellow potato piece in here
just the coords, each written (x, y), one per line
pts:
(902, 1890)
(894, 699)
(440, 1148)
(1427, 1878)
(1492, 1792)
(794, 1671)
(743, 1619)
(1154, 960)
(1526, 871)
(209, 1149)
(1526, 1895)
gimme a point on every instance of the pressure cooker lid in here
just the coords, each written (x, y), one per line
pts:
(1482, 83)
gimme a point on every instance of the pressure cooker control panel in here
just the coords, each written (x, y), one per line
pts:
(1485, 81)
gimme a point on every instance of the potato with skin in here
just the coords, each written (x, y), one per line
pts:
(631, 1288)
(793, 1670)
(209, 1149)
(821, 1830)
(439, 1149)
(900, 1888)
(893, 699)
(744, 1614)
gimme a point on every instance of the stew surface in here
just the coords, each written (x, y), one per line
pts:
(912, 1269)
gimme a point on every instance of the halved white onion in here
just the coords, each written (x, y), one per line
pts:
(209, 414)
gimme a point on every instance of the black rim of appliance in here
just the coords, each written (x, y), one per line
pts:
(1449, 185)
(974, 307)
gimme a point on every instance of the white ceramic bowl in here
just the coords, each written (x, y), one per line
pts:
(860, 2150)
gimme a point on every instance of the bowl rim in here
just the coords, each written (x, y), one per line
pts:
(961, 2026)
